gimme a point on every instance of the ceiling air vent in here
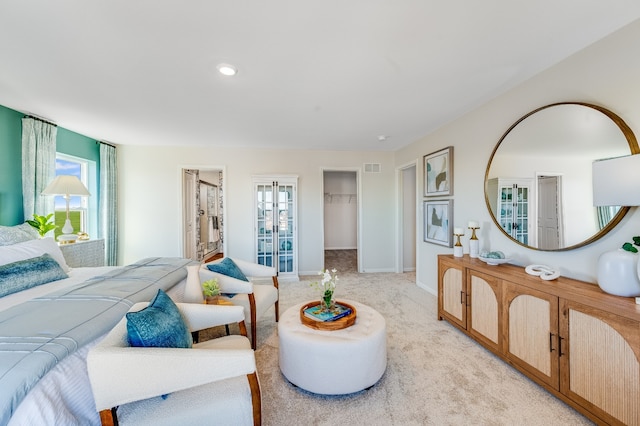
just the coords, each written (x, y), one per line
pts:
(372, 167)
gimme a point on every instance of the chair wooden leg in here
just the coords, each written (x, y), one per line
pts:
(110, 418)
(277, 306)
(256, 399)
(252, 308)
(243, 328)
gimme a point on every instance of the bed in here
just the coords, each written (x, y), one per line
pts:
(47, 328)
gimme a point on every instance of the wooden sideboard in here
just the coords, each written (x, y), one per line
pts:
(576, 341)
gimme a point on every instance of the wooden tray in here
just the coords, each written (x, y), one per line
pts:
(338, 324)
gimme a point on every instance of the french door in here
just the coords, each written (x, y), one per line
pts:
(276, 223)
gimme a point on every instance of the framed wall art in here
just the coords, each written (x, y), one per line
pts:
(437, 222)
(438, 173)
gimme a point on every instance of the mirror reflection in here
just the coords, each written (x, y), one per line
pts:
(538, 184)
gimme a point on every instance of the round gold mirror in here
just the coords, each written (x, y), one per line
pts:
(538, 185)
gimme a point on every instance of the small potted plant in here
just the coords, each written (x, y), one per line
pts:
(210, 289)
(630, 247)
(327, 287)
(42, 224)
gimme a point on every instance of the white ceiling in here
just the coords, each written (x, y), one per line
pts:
(330, 75)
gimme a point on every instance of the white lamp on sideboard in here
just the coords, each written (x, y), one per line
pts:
(66, 185)
(616, 182)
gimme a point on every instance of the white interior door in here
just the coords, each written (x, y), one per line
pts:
(190, 214)
(549, 224)
(408, 219)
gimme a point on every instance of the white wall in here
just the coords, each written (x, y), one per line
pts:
(605, 74)
(150, 200)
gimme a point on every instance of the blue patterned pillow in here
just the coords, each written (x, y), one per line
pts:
(227, 267)
(17, 234)
(24, 274)
(159, 325)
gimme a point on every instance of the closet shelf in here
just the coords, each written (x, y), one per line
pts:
(340, 198)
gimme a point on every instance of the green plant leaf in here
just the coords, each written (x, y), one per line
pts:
(636, 241)
(42, 224)
(629, 247)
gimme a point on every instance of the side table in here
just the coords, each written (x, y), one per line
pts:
(217, 300)
(84, 253)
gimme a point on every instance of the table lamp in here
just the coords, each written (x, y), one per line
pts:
(615, 183)
(66, 185)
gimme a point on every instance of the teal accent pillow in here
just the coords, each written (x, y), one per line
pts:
(227, 267)
(159, 325)
(27, 273)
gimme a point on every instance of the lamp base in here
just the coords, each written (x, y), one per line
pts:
(67, 228)
(67, 238)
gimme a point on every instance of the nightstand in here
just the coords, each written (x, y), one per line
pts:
(84, 253)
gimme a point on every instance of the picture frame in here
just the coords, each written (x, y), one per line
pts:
(438, 173)
(438, 215)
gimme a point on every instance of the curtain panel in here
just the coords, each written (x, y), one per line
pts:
(38, 165)
(108, 222)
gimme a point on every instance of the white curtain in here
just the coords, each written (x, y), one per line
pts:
(38, 165)
(108, 228)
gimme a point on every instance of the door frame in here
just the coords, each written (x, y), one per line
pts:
(181, 196)
(357, 171)
(400, 214)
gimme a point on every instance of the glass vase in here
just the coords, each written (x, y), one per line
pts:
(326, 302)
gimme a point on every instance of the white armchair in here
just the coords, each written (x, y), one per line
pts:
(254, 297)
(216, 380)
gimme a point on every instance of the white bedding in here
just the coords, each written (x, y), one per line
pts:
(63, 396)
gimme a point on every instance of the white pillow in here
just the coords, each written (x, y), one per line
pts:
(30, 249)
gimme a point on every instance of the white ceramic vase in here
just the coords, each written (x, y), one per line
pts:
(618, 273)
(193, 288)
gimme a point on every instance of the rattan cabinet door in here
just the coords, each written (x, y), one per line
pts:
(599, 362)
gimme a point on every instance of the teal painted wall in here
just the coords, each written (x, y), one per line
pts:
(67, 142)
(11, 212)
(78, 145)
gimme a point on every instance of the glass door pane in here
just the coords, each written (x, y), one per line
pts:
(285, 228)
(264, 224)
(522, 217)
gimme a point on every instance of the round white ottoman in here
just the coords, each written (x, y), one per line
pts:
(333, 362)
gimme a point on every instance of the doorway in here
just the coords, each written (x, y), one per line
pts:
(340, 223)
(407, 191)
(203, 214)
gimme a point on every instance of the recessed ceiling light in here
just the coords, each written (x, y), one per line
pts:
(383, 138)
(227, 69)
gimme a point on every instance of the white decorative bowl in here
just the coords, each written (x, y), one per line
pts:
(492, 261)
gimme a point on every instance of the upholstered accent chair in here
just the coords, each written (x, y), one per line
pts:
(214, 381)
(249, 290)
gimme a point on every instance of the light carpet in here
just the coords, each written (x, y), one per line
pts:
(435, 374)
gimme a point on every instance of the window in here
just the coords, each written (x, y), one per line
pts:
(83, 211)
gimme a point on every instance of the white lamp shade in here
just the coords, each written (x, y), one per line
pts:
(616, 181)
(66, 185)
